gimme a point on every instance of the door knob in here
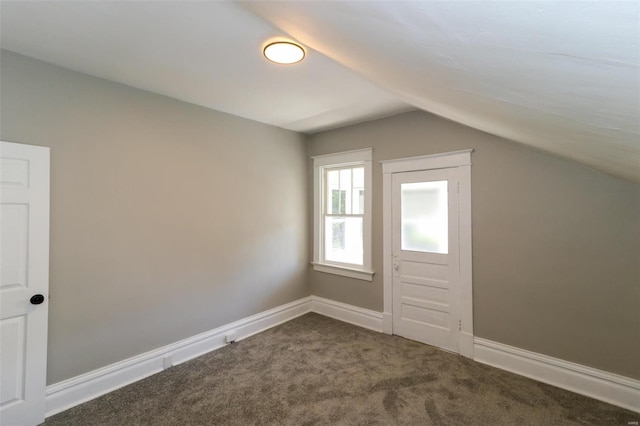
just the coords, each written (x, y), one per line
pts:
(396, 267)
(36, 299)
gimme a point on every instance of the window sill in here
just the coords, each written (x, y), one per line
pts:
(345, 272)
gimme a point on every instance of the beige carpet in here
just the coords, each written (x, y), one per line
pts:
(318, 371)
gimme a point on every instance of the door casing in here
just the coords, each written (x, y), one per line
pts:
(462, 161)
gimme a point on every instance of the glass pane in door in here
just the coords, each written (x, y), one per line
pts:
(424, 217)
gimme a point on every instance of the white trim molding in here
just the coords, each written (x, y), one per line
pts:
(347, 272)
(85, 387)
(608, 387)
(441, 160)
(344, 157)
(355, 315)
(387, 323)
(461, 160)
(361, 157)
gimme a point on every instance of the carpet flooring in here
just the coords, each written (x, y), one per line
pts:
(318, 371)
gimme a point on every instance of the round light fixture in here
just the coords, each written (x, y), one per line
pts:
(284, 52)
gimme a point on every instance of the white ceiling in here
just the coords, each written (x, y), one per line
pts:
(206, 53)
(560, 76)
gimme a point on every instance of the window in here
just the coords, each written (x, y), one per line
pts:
(342, 214)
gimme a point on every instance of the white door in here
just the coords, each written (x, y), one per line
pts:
(425, 257)
(24, 282)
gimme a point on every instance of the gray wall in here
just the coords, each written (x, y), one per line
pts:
(164, 224)
(556, 246)
(167, 219)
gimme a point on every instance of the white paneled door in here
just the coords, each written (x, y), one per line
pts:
(24, 282)
(426, 257)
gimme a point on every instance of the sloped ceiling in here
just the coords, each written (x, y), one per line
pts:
(206, 52)
(563, 77)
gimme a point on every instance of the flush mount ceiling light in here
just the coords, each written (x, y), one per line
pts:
(284, 52)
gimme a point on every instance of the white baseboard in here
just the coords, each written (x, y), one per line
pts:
(355, 315)
(608, 387)
(612, 388)
(69, 393)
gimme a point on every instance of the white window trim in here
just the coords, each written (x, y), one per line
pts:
(360, 156)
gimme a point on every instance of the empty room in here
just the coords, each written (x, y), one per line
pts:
(318, 213)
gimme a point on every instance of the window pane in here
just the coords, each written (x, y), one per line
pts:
(335, 199)
(338, 201)
(358, 177)
(337, 235)
(345, 185)
(343, 240)
(425, 224)
(357, 202)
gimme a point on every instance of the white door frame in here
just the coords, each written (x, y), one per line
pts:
(462, 161)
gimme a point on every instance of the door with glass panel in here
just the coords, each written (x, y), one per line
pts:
(425, 257)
